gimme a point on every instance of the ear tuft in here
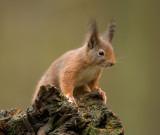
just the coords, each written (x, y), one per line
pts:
(93, 36)
(109, 34)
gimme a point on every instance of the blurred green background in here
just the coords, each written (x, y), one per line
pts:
(33, 33)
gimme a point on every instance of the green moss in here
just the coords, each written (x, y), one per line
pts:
(89, 119)
(91, 130)
(13, 129)
(82, 119)
(15, 124)
(59, 103)
(94, 106)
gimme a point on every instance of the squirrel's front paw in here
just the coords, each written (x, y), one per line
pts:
(103, 94)
(71, 100)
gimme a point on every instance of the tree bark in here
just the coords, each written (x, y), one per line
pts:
(52, 114)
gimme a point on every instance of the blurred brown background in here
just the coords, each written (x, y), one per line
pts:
(33, 33)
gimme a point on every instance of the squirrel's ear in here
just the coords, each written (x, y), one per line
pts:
(93, 37)
(109, 34)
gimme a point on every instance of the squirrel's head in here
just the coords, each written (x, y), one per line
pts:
(99, 48)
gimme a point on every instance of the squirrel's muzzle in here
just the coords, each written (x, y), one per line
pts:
(111, 64)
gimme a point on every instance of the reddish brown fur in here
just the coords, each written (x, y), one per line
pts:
(81, 67)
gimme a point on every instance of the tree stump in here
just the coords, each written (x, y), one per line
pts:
(52, 114)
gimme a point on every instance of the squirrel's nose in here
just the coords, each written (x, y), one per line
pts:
(111, 63)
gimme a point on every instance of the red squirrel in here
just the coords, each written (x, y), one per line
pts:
(82, 67)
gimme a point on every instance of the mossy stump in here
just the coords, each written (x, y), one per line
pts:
(52, 114)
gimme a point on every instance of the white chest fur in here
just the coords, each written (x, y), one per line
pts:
(87, 75)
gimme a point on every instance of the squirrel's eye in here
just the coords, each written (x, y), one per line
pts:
(101, 52)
